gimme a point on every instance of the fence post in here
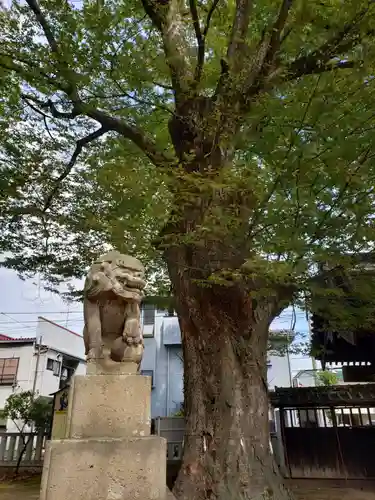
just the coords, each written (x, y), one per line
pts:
(12, 445)
(3, 446)
(280, 452)
(29, 449)
(38, 447)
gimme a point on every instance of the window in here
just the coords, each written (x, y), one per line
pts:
(8, 370)
(54, 366)
(148, 314)
(149, 373)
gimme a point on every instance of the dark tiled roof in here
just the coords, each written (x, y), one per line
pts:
(6, 338)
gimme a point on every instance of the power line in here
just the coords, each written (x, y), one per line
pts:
(43, 312)
(35, 321)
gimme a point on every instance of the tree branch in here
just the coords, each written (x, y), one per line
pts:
(70, 115)
(239, 31)
(34, 6)
(167, 19)
(137, 136)
(201, 37)
(39, 111)
(200, 41)
(328, 67)
(28, 76)
(66, 72)
(133, 133)
(215, 3)
(268, 48)
(51, 106)
(78, 149)
(319, 60)
(276, 32)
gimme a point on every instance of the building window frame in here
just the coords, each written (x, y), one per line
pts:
(54, 365)
(8, 378)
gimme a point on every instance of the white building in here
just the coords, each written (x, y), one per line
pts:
(42, 364)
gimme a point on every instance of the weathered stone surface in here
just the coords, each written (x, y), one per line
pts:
(105, 366)
(105, 469)
(112, 295)
(109, 406)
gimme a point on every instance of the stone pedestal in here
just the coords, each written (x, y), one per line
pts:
(108, 453)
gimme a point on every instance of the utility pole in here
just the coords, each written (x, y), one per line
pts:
(38, 352)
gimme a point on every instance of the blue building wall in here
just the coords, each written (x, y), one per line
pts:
(163, 360)
(163, 357)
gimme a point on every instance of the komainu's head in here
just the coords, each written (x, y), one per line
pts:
(115, 273)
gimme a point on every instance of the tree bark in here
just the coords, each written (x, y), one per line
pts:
(224, 336)
(25, 442)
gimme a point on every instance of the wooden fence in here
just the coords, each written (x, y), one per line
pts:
(11, 445)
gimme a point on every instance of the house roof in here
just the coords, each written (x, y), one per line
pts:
(5, 339)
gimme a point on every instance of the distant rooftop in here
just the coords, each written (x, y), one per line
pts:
(5, 339)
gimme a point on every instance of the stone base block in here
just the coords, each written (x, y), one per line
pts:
(109, 406)
(106, 366)
(105, 469)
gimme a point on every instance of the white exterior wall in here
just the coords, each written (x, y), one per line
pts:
(26, 369)
(47, 382)
(278, 374)
(59, 341)
(60, 338)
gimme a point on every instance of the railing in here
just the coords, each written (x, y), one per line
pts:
(172, 429)
(11, 445)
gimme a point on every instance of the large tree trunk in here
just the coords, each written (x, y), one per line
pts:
(224, 335)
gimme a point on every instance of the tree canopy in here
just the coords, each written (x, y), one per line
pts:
(88, 90)
(228, 141)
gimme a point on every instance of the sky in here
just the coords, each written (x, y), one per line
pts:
(21, 302)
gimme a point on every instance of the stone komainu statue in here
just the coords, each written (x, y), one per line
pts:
(112, 295)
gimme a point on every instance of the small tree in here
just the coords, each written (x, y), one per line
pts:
(327, 378)
(26, 411)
